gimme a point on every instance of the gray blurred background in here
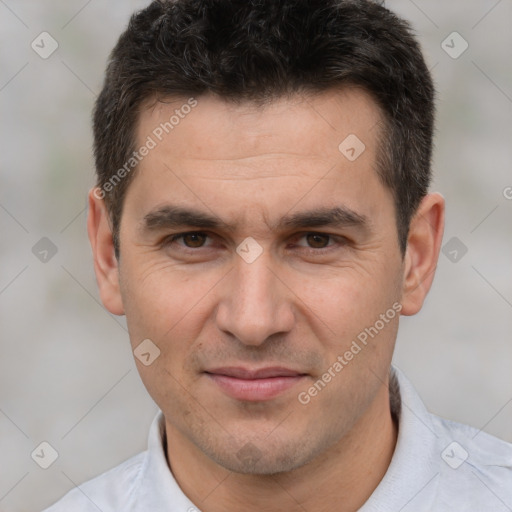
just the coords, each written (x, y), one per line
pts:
(66, 371)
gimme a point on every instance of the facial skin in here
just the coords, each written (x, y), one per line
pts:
(299, 305)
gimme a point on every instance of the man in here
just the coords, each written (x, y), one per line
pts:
(262, 218)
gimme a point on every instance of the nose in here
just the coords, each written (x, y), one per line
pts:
(255, 303)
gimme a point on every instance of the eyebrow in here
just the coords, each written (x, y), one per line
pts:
(172, 217)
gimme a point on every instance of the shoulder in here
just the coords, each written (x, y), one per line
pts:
(450, 465)
(111, 491)
(474, 466)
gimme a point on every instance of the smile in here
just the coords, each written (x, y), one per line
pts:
(259, 385)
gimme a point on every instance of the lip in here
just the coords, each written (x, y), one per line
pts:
(255, 385)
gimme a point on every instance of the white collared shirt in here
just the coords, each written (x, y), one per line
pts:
(438, 466)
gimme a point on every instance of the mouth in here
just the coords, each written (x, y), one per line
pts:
(255, 385)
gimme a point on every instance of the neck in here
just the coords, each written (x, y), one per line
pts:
(342, 478)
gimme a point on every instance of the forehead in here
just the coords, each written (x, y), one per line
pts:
(245, 161)
(307, 126)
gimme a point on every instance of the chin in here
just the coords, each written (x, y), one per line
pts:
(263, 458)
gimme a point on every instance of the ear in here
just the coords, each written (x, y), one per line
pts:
(423, 245)
(106, 266)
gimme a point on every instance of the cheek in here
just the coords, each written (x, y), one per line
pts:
(168, 308)
(350, 306)
(350, 300)
(160, 298)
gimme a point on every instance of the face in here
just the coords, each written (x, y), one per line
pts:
(251, 240)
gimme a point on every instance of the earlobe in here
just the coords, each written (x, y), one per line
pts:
(105, 262)
(423, 246)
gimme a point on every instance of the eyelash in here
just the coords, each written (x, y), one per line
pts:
(336, 241)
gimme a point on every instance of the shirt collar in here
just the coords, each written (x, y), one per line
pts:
(412, 470)
(157, 488)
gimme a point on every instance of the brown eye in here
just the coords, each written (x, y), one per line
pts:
(194, 240)
(317, 241)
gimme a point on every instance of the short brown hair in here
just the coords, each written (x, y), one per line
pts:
(259, 50)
